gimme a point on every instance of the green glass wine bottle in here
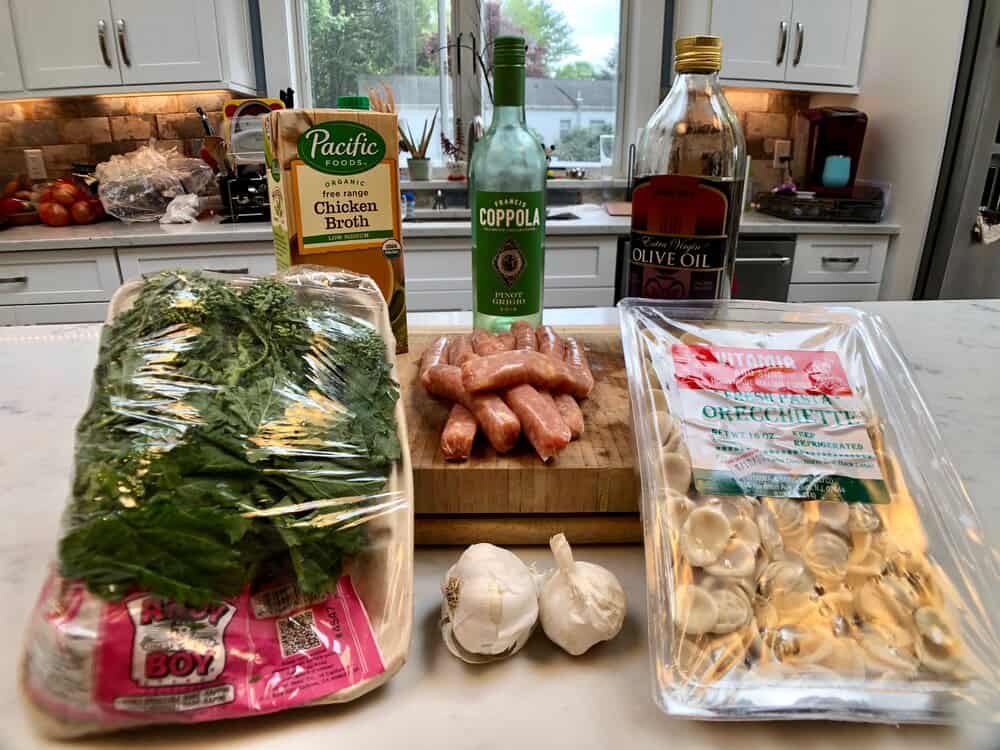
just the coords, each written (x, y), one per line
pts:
(507, 185)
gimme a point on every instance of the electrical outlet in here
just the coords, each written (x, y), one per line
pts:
(782, 152)
(36, 164)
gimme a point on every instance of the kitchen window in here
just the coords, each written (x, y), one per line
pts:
(432, 53)
(572, 69)
(354, 46)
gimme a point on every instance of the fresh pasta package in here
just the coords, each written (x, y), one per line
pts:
(238, 538)
(811, 552)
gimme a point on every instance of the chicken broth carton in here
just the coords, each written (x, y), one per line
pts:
(333, 179)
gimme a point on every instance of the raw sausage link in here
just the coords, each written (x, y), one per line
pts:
(571, 413)
(543, 426)
(497, 421)
(445, 381)
(504, 370)
(583, 377)
(458, 434)
(486, 343)
(524, 335)
(435, 354)
(550, 343)
(460, 350)
(506, 340)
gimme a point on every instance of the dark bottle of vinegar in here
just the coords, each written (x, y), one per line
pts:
(687, 194)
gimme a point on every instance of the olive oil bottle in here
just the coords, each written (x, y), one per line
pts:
(687, 195)
(507, 186)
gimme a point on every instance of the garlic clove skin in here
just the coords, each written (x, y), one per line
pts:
(582, 603)
(490, 604)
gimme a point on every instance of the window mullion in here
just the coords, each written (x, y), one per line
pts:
(467, 86)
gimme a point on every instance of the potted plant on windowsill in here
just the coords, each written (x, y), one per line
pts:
(417, 162)
(454, 151)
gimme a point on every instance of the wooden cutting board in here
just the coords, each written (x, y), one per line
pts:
(595, 474)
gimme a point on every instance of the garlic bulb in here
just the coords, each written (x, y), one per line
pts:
(490, 604)
(582, 603)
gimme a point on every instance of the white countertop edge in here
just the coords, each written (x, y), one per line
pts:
(593, 221)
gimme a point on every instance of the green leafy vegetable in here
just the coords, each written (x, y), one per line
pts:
(234, 436)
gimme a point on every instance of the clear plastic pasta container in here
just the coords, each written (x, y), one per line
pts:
(810, 550)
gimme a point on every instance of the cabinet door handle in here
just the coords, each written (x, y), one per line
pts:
(236, 271)
(800, 32)
(829, 259)
(782, 42)
(13, 279)
(780, 260)
(102, 41)
(123, 42)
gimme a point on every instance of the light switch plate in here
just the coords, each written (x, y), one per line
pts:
(782, 152)
(36, 164)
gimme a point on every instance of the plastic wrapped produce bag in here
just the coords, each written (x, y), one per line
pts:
(239, 534)
(811, 552)
(140, 185)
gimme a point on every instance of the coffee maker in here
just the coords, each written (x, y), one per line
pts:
(828, 142)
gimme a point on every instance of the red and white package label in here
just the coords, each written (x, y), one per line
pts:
(772, 422)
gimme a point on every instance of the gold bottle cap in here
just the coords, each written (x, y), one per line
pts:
(698, 54)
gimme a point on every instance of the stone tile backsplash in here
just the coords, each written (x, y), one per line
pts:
(766, 115)
(89, 129)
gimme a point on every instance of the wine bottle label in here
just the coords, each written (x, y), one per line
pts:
(508, 250)
(682, 237)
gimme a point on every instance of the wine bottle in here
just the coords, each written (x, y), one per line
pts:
(687, 193)
(507, 186)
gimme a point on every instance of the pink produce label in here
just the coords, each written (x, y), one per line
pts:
(781, 423)
(253, 654)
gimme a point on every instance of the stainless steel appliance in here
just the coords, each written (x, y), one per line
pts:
(763, 267)
(958, 261)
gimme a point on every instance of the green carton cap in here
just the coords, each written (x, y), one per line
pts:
(353, 102)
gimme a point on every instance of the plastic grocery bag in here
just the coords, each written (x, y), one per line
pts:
(139, 185)
(238, 538)
(811, 552)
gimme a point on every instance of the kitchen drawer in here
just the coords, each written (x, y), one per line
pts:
(570, 262)
(833, 292)
(57, 276)
(255, 259)
(71, 312)
(831, 259)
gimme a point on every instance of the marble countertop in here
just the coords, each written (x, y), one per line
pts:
(541, 698)
(593, 220)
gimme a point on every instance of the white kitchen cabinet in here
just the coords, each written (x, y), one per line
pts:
(66, 44)
(745, 28)
(826, 41)
(10, 68)
(797, 44)
(162, 42)
(57, 276)
(121, 46)
(833, 292)
(241, 259)
(839, 259)
(579, 271)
